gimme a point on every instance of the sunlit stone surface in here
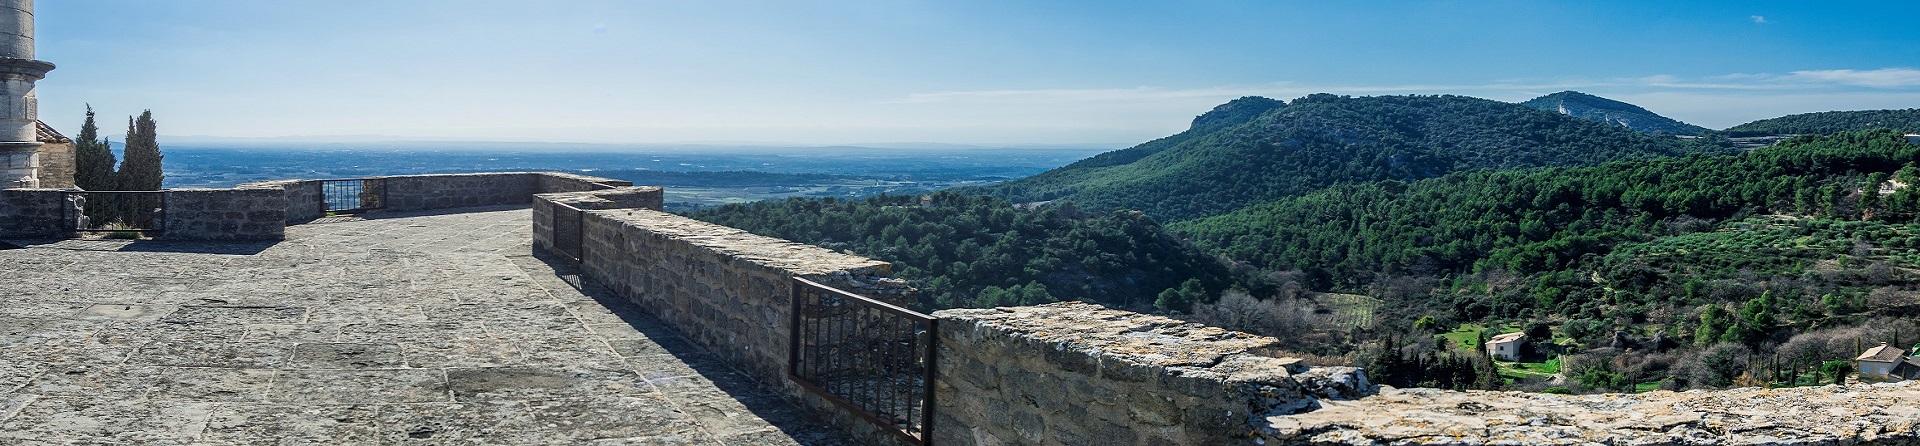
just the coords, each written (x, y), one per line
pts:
(429, 329)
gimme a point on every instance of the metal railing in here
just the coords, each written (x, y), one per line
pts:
(569, 232)
(869, 357)
(353, 195)
(115, 211)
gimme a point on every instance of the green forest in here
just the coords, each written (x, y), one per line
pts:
(1389, 232)
(1255, 149)
(966, 251)
(1907, 120)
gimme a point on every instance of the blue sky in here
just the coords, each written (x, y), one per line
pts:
(975, 72)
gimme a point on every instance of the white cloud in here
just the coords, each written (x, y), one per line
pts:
(1758, 19)
(1881, 78)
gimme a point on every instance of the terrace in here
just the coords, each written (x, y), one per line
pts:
(421, 327)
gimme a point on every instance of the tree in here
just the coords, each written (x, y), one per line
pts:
(141, 169)
(93, 158)
(1713, 323)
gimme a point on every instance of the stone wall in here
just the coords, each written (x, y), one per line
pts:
(34, 213)
(556, 216)
(725, 289)
(305, 200)
(422, 192)
(56, 165)
(419, 192)
(19, 168)
(553, 182)
(1077, 373)
(256, 213)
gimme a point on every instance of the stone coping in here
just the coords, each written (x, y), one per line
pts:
(593, 198)
(1094, 330)
(796, 258)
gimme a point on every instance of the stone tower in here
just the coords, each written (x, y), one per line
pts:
(19, 109)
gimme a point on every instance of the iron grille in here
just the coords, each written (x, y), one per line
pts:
(568, 230)
(354, 195)
(116, 211)
(867, 356)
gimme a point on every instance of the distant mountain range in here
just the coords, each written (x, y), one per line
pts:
(1595, 108)
(1256, 149)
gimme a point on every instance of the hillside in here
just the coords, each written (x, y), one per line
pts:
(1599, 109)
(1907, 120)
(1255, 149)
(1614, 241)
(980, 252)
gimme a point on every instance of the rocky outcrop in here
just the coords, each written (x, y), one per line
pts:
(1878, 414)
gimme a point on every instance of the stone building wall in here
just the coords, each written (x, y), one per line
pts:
(1076, 373)
(258, 213)
(56, 165)
(19, 167)
(34, 213)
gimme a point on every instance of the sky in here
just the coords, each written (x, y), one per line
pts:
(961, 72)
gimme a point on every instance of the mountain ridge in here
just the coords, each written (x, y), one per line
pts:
(1233, 157)
(1596, 108)
(1906, 120)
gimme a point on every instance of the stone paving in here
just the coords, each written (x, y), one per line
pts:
(401, 329)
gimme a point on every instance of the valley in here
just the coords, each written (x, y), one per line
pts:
(1397, 233)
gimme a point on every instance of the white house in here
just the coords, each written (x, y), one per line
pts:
(1913, 138)
(1506, 347)
(1886, 362)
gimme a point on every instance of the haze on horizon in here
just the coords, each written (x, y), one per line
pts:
(996, 72)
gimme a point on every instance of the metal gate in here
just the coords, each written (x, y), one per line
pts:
(354, 195)
(568, 232)
(141, 212)
(867, 356)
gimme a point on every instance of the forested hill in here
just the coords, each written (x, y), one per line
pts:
(979, 252)
(1906, 120)
(1595, 108)
(1563, 226)
(1238, 158)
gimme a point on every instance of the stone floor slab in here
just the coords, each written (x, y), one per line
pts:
(359, 386)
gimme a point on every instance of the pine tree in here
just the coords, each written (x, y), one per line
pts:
(93, 158)
(141, 169)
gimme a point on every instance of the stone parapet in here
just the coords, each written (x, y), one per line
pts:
(422, 192)
(556, 216)
(250, 213)
(34, 213)
(552, 182)
(726, 288)
(723, 288)
(1078, 373)
(305, 200)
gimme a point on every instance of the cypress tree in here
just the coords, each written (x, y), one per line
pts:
(141, 169)
(93, 158)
